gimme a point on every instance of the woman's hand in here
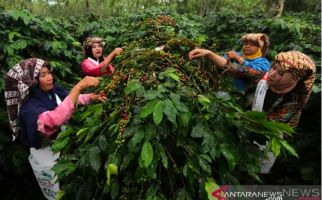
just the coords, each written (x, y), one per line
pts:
(86, 82)
(232, 55)
(235, 56)
(101, 97)
(196, 53)
(117, 51)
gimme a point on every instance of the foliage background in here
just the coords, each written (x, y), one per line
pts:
(30, 33)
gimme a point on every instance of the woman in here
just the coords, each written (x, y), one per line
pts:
(37, 109)
(95, 64)
(290, 81)
(282, 93)
(246, 66)
(47, 107)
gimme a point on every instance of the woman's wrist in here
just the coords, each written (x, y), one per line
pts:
(78, 87)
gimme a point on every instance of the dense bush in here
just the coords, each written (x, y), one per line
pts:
(209, 132)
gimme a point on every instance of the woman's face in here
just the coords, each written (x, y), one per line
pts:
(250, 48)
(46, 82)
(97, 50)
(278, 78)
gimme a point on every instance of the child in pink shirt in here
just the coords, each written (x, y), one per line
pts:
(95, 64)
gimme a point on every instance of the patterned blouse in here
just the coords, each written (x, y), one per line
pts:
(284, 108)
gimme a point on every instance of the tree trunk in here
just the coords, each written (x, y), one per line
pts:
(275, 7)
(87, 5)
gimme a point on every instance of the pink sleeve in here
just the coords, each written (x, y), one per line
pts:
(91, 69)
(84, 99)
(50, 121)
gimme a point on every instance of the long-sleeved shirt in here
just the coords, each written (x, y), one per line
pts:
(50, 121)
(250, 70)
(91, 67)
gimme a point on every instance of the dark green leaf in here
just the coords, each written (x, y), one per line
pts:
(148, 108)
(59, 144)
(198, 131)
(228, 153)
(132, 86)
(158, 112)
(163, 156)
(289, 148)
(94, 158)
(147, 154)
(170, 110)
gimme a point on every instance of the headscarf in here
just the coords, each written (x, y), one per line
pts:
(261, 40)
(88, 43)
(16, 85)
(304, 71)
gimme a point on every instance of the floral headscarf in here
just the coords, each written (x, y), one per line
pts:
(16, 88)
(303, 70)
(261, 40)
(89, 41)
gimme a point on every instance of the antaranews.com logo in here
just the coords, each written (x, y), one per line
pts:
(267, 192)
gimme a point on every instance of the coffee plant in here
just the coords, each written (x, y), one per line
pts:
(168, 125)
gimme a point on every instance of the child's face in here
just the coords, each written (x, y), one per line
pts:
(97, 50)
(249, 48)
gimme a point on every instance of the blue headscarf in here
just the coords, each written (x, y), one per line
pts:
(38, 102)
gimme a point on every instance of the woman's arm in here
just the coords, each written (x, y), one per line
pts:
(49, 121)
(215, 58)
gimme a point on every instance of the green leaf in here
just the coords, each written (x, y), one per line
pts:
(198, 131)
(63, 169)
(149, 131)
(152, 94)
(158, 112)
(148, 108)
(81, 131)
(26, 19)
(163, 156)
(102, 143)
(184, 118)
(205, 101)
(132, 86)
(275, 146)
(284, 127)
(11, 35)
(210, 186)
(204, 165)
(147, 154)
(94, 158)
(14, 14)
(60, 195)
(258, 116)
(170, 110)
(208, 143)
(289, 148)
(136, 139)
(110, 169)
(183, 194)
(65, 133)
(170, 70)
(173, 76)
(59, 144)
(229, 155)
